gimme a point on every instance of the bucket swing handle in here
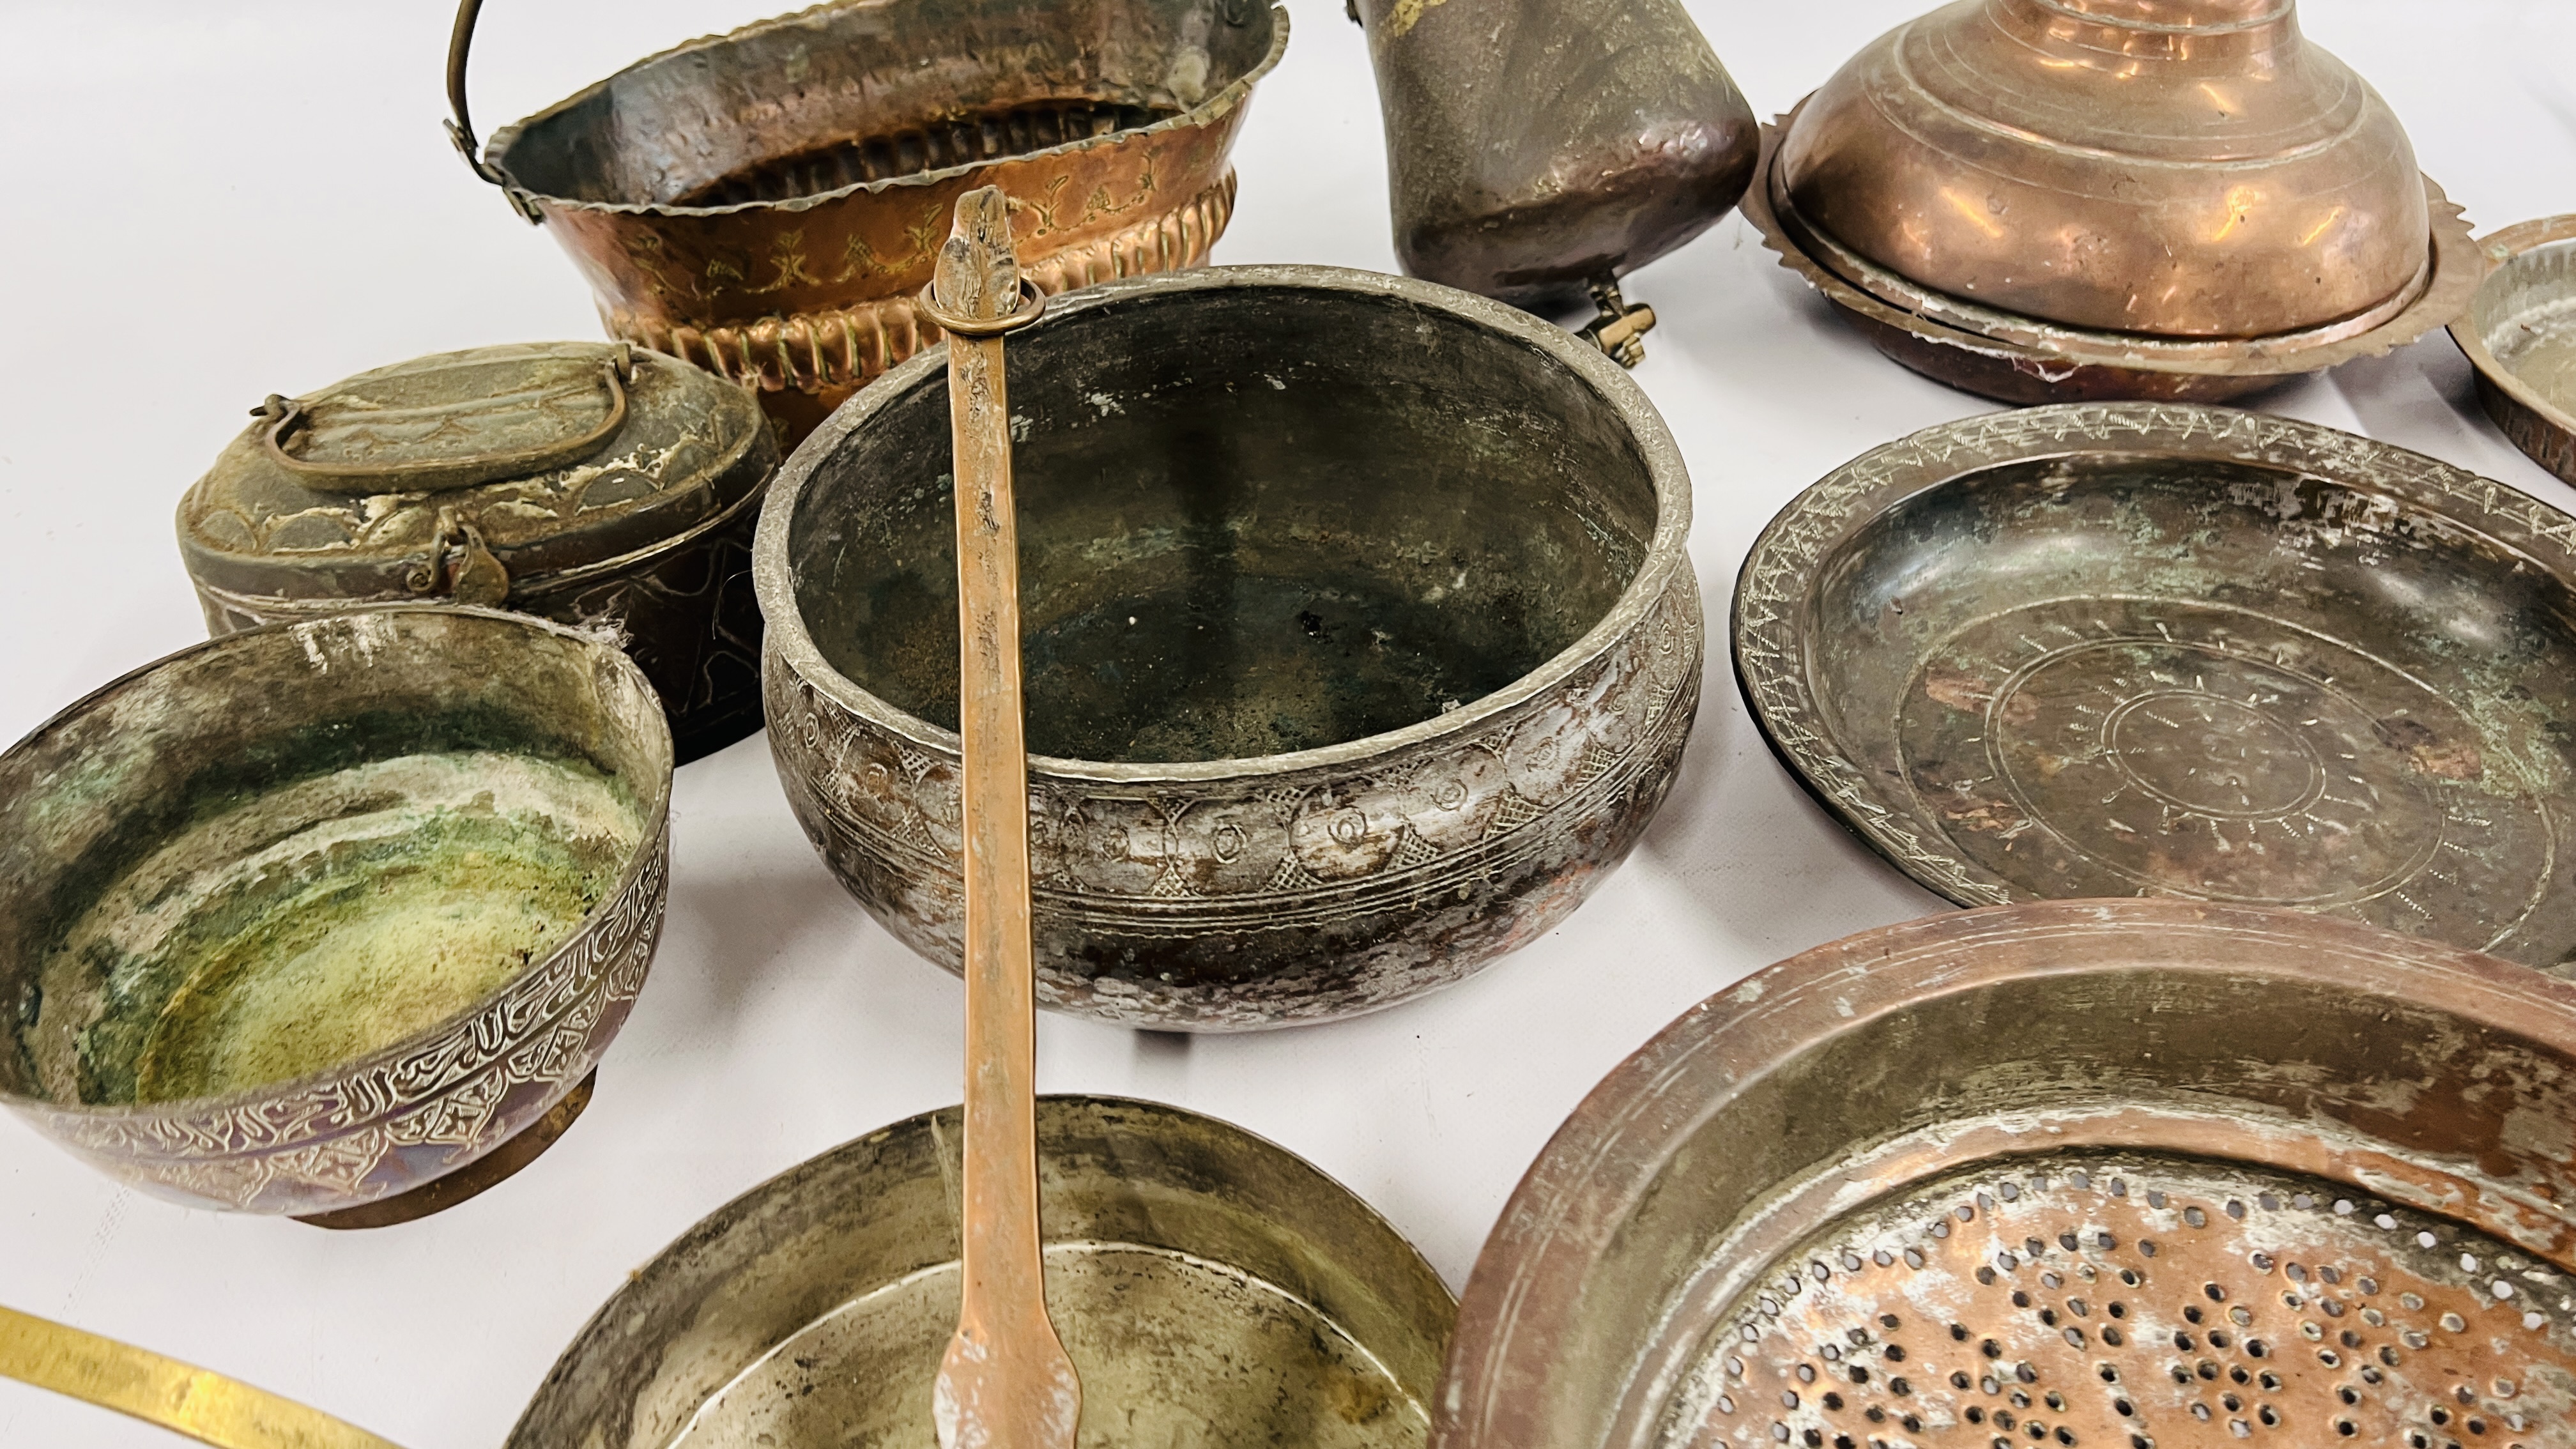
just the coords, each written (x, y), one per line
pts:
(460, 127)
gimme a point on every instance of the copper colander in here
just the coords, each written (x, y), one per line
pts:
(2134, 1173)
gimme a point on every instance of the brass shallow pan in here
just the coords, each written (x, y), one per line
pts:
(2134, 648)
(2520, 335)
(2128, 1173)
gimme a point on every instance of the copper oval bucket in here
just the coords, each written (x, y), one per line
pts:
(767, 203)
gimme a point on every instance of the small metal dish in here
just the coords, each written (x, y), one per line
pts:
(2082, 1173)
(1214, 1289)
(2520, 335)
(333, 918)
(1361, 639)
(2136, 648)
(2030, 361)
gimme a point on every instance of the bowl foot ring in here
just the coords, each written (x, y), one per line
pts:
(478, 1176)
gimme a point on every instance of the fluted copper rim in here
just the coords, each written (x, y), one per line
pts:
(496, 152)
(2454, 268)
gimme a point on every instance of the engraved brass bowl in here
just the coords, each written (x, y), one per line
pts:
(2057, 199)
(332, 918)
(2520, 335)
(1213, 1289)
(1361, 640)
(2101, 1173)
(2137, 648)
(766, 203)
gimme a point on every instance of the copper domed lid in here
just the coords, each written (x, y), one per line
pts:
(2180, 168)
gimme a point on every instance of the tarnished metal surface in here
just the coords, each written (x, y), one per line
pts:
(2115, 649)
(767, 203)
(1360, 633)
(1213, 1289)
(2077, 1173)
(312, 915)
(1535, 147)
(582, 482)
(1971, 345)
(2520, 335)
(2181, 168)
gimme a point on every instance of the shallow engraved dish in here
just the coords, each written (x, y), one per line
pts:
(2520, 335)
(2142, 649)
(333, 918)
(1361, 639)
(2108, 1173)
(1213, 1289)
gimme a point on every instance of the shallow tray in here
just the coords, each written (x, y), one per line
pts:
(2129, 649)
(2146, 1174)
(1213, 1289)
(2520, 335)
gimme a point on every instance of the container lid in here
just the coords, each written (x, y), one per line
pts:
(475, 475)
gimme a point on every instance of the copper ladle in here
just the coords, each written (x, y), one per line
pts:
(1006, 1382)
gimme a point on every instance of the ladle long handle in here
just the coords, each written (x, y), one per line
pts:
(201, 1404)
(1006, 1381)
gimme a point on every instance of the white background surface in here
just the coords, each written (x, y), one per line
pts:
(205, 203)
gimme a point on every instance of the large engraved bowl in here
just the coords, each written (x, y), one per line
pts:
(283, 842)
(1361, 640)
(2182, 168)
(2159, 649)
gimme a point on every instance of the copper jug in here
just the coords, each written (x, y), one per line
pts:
(1538, 150)
(2041, 199)
(767, 203)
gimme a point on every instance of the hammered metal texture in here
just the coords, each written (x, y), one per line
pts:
(405, 1116)
(2181, 651)
(767, 203)
(1219, 894)
(2132, 1174)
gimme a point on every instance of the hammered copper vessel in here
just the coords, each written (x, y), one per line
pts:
(1360, 629)
(1214, 1289)
(332, 918)
(767, 203)
(1539, 150)
(2087, 1173)
(2139, 648)
(2520, 336)
(2052, 199)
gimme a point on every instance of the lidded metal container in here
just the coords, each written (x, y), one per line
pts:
(587, 483)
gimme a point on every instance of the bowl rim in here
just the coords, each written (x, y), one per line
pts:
(785, 1185)
(2503, 248)
(1770, 633)
(1568, 1209)
(649, 845)
(1666, 551)
(1209, 110)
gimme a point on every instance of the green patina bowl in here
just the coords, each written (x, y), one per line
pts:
(312, 918)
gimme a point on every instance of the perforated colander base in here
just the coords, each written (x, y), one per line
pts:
(2144, 1301)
